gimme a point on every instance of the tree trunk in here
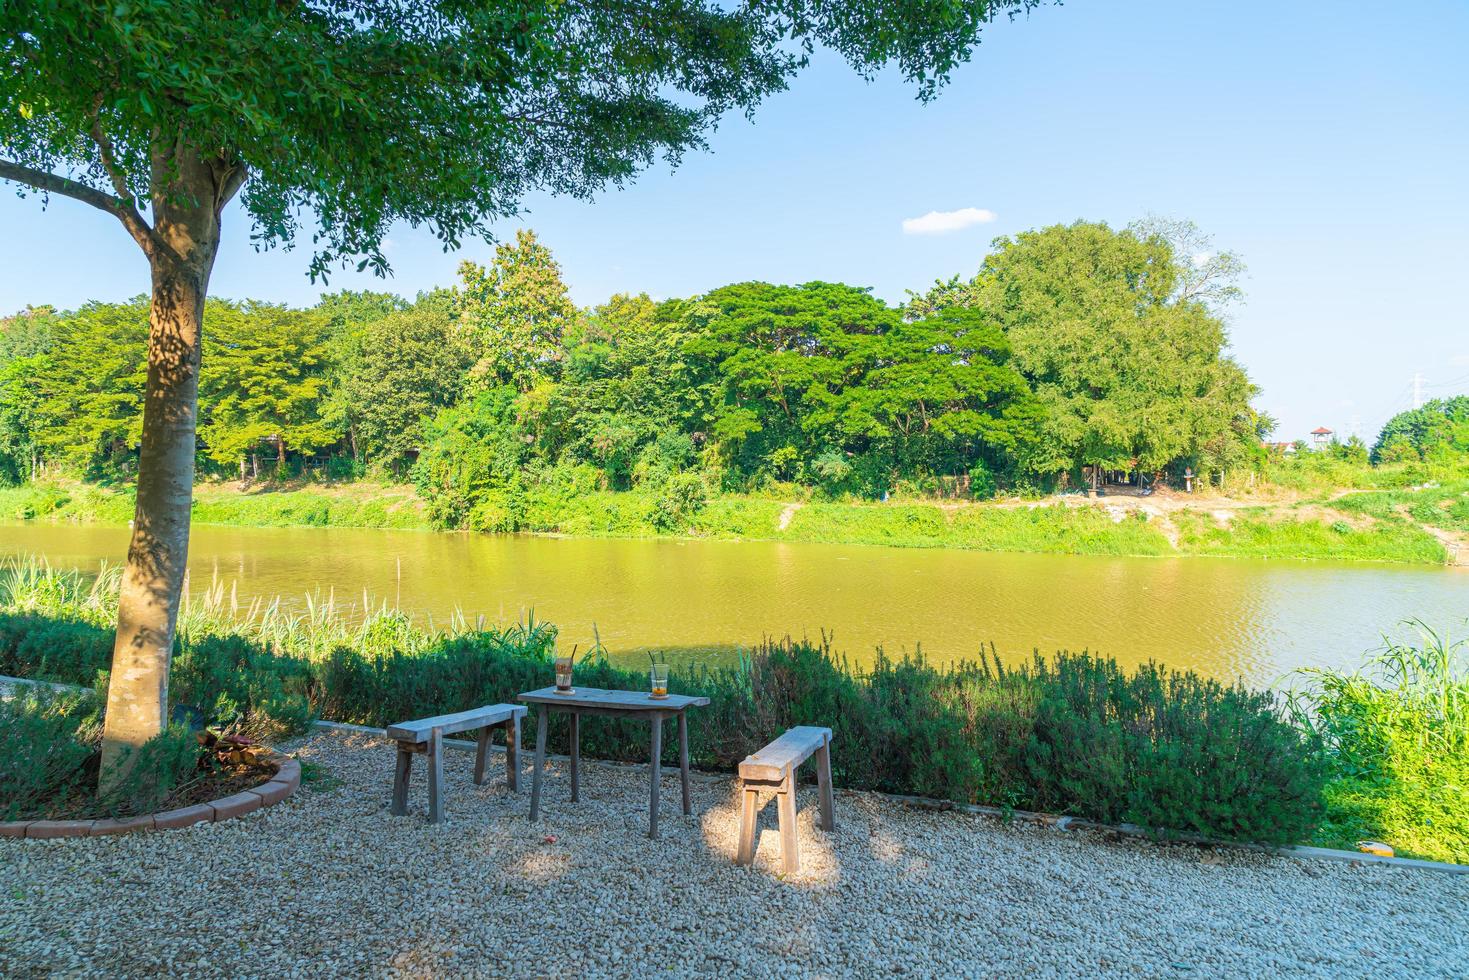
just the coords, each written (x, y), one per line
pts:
(189, 192)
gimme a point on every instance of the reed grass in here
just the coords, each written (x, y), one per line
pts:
(1396, 734)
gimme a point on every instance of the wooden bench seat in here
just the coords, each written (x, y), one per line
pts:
(425, 736)
(774, 767)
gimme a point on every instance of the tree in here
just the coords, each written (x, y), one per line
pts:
(1115, 332)
(824, 379)
(90, 415)
(366, 113)
(514, 313)
(264, 382)
(348, 316)
(413, 364)
(1437, 431)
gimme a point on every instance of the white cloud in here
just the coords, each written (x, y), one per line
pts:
(943, 222)
(1201, 259)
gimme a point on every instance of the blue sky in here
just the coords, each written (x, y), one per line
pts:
(1328, 143)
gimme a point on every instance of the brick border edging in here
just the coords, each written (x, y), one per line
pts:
(282, 785)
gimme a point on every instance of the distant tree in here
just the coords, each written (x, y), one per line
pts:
(348, 315)
(630, 399)
(26, 333)
(20, 400)
(366, 113)
(1439, 430)
(825, 381)
(514, 313)
(1113, 331)
(413, 364)
(90, 416)
(1204, 273)
(264, 382)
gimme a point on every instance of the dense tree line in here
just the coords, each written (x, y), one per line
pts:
(1073, 347)
(1436, 432)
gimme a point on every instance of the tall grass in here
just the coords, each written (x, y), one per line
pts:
(1396, 734)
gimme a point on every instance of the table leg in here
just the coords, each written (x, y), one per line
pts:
(575, 756)
(656, 721)
(535, 782)
(683, 758)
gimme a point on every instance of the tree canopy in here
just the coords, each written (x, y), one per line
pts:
(1113, 330)
(362, 113)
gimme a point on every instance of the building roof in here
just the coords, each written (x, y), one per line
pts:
(1323, 431)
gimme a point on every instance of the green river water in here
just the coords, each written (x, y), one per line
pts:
(707, 599)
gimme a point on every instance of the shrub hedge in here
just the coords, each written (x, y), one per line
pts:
(1069, 734)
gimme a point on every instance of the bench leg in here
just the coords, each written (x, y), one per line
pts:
(790, 854)
(481, 754)
(656, 720)
(400, 781)
(575, 756)
(535, 779)
(512, 753)
(436, 776)
(683, 758)
(749, 815)
(823, 783)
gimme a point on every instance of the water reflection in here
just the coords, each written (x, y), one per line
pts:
(1228, 619)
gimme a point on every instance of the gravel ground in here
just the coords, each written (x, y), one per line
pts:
(327, 884)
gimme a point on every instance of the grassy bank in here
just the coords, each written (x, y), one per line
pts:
(1362, 527)
(1396, 736)
(1260, 533)
(1069, 734)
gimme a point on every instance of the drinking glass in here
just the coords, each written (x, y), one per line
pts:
(563, 675)
(658, 679)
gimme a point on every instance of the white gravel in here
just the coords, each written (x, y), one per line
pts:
(327, 884)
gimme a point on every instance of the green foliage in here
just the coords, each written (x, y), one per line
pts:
(1396, 736)
(52, 751)
(514, 314)
(1244, 536)
(90, 415)
(1436, 432)
(1118, 334)
(263, 381)
(313, 102)
(823, 383)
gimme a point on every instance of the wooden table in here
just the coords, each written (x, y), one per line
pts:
(615, 704)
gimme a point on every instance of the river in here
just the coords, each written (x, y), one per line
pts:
(1226, 618)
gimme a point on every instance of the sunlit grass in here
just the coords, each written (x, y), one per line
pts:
(1397, 736)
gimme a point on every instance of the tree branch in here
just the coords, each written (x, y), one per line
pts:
(87, 194)
(104, 150)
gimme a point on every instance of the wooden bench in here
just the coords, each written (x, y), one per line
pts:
(426, 736)
(774, 767)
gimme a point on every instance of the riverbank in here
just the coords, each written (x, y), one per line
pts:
(1349, 528)
(629, 906)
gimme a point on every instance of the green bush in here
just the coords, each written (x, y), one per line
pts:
(1396, 738)
(53, 751)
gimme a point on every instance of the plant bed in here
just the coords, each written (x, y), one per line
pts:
(206, 801)
(49, 774)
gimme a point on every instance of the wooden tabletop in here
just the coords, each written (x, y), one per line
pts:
(593, 697)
